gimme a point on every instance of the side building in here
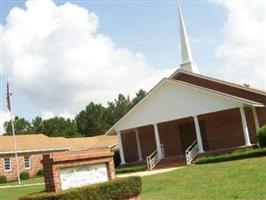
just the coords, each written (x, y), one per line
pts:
(30, 149)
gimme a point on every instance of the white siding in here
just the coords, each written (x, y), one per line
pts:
(173, 100)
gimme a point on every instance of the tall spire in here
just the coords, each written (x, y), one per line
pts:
(187, 62)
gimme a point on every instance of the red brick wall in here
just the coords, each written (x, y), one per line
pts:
(170, 136)
(221, 87)
(130, 146)
(223, 129)
(36, 165)
(261, 112)
(147, 140)
(52, 163)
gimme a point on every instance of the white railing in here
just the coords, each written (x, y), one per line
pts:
(191, 152)
(154, 158)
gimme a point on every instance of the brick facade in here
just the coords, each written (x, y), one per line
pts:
(35, 161)
(261, 112)
(130, 146)
(220, 130)
(53, 162)
(147, 140)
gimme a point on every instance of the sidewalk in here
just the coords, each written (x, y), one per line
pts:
(22, 185)
(148, 173)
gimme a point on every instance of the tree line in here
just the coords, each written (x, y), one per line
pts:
(95, 119)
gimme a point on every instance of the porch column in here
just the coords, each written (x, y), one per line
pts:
(255, 116)
(157, 140)
(138, 144)
(198, 134)
(120, 146)
(245, 126)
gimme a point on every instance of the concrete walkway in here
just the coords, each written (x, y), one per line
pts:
(22, 185)
(148, 173)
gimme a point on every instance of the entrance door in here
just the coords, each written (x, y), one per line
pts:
(187, 134)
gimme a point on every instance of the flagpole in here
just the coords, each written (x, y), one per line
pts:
(15, 146)
(13, 130)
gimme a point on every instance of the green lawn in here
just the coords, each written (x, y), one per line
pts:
(14, 193)
(241, 179)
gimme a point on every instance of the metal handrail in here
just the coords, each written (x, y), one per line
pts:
(191, 146)
(192, 152)
(153, 158)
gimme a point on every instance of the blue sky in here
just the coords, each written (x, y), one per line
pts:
(148, 27)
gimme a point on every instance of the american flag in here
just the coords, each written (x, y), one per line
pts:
(8, 95)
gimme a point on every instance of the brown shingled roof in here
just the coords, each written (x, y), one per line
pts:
(40, 142)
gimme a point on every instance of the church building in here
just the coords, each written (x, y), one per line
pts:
(188, 114)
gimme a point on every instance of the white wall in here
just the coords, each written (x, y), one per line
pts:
(173, 100)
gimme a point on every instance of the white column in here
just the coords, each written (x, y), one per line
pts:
(255, 117)
(138, 145)
(120, 146)
(198, 134)
(157, 140)
(245, 126)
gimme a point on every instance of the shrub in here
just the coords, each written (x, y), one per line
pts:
(261, 136)
(117, 159)
(235, 155)
(130, 168)
(40, 172)
(118, 189)
(3, 179)
(24, 175)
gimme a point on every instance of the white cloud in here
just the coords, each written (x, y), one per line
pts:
(243, 46)
(47, 114)
(57, 58)
(4, 116)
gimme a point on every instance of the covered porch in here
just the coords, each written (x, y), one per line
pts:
(220, 130)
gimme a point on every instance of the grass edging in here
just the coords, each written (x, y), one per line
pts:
(235, 155)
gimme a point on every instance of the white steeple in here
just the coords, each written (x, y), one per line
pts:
(187, 62)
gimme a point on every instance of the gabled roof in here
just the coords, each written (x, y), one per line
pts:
(250, 89)
(217, 93)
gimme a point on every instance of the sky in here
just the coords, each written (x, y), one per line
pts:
(60, 55)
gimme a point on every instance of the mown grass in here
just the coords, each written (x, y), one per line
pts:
(241, 179)
(16, 192)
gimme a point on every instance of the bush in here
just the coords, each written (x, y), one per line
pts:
(3, 179)
(118, 189)
(130, 168)
(117, 159)
(235, 155)
(40, 172)
(261, 136)
(24, 175)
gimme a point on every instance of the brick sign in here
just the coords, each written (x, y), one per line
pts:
(84, 175)
(67, 170)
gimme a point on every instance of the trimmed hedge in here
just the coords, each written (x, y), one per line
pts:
(117, 159)
(3, 179)
(130, 168)
(40, 172)
(24, 175)
(261, 136)
(118, 189)
(235, 155)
